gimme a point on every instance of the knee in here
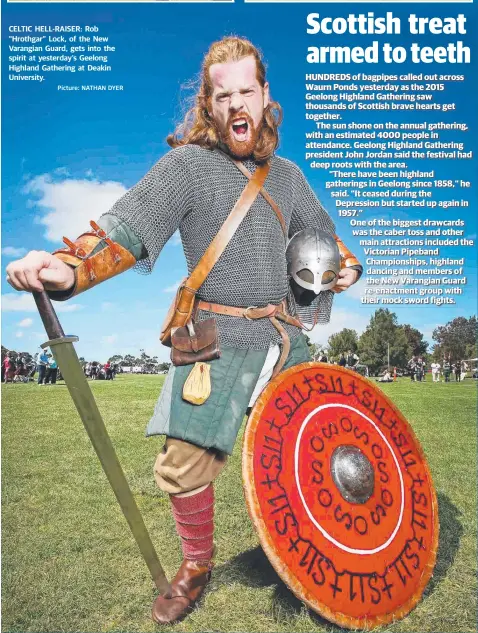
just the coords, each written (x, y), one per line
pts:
(182, 467)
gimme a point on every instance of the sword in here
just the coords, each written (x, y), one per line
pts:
(71, 370)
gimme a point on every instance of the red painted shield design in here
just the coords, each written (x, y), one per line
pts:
(340, 493)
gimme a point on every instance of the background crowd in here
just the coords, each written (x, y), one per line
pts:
(385, 349)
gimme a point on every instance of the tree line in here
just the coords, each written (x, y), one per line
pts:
(146, 362)
(385, 338)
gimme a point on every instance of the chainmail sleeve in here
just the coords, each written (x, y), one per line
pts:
(308, 212)
(155, 206)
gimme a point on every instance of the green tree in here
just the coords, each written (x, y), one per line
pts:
(313, 347)
(381, 336)
(457, 338)
(343, 341)
(418, 347)
(128, 361)
(145, 361)
(115, 359)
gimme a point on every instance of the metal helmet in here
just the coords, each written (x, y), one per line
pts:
(313, 263)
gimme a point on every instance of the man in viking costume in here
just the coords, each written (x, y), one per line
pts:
(231, 131)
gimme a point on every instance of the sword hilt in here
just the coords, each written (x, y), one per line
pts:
(48, 315)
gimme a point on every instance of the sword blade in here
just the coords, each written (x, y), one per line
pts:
(82, 396)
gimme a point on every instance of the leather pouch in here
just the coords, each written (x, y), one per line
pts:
(195, 342)
(179, 312)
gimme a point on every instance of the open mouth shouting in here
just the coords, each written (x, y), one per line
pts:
(241, 135)
(240, 129)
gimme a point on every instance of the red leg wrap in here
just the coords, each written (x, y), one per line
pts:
(194, 518)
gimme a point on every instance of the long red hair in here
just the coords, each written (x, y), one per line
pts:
(198, 127)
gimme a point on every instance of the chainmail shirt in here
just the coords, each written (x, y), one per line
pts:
(194, 189)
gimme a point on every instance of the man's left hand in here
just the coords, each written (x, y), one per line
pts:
(347, 277)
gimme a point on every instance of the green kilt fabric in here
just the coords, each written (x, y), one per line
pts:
(216, 423)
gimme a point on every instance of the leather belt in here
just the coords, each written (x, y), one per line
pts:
(275, 314)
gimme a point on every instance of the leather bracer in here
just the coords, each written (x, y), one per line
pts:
(95, 258)
(347, 260)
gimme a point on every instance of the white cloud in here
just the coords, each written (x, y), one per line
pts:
(340, 319)
(67, 205)
(24, 302)
(19, 334)
(106, 306)
(11, 251)
(172, 288)
(357, 290)
(26, 323)
(112, 338)
(39, 335)
(175, 239)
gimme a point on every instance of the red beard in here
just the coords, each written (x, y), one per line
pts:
(240, 149)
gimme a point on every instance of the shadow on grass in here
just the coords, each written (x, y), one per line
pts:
(252, 568)
(451, 531)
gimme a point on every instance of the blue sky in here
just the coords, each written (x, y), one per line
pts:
(67, 156)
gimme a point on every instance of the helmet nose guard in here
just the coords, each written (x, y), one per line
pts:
(313, 262)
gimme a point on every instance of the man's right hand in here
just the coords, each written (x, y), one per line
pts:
(38, 271)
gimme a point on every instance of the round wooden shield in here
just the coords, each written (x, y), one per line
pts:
(340, 493)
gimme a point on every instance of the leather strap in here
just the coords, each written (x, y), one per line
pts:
(245, 172)
(227, 230)
(252, 312)
(275, 314)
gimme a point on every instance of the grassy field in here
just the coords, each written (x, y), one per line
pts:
(70, 563)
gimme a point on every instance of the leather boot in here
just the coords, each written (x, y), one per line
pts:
(186, 588)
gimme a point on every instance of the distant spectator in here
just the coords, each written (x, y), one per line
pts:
(420, 369)
(412, 366)
(51, 371)
(9, 367)
(30, 370)
(42, 364)
(385, 377)
(457, 370)
(436, 372)
(352, 359)
(446, 368)
(342, 360)
(19, 372)
(5, 364)
(107, 368)
(322, 357)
